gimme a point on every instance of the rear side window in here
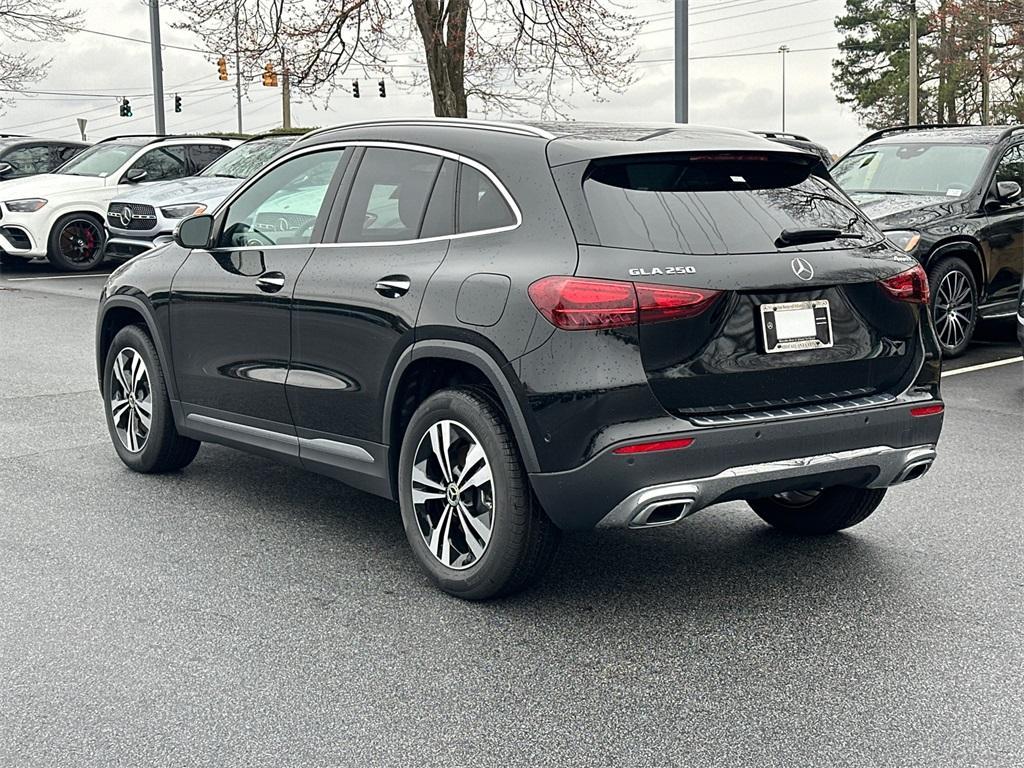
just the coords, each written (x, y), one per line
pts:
(715, 203)
(481, 205)
(389, 196)
(202, 155)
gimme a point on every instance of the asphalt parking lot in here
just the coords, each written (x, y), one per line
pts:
(246, 613)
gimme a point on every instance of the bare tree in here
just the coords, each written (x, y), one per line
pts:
(502, 54)
(30, 21)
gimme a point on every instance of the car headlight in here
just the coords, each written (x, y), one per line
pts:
(906, 239)
(183, 210)
(27, 205)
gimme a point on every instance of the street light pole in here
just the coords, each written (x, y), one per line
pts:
(783, 49)
(158, 67)
(238, 71)
(912, 76)
(682, 61)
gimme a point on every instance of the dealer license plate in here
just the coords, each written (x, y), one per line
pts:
(796, 325)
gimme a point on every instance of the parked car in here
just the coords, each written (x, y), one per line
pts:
(802, 142)
(514, 329)
(145, 217)
(59, 216)
(951, 196)
(26, 156)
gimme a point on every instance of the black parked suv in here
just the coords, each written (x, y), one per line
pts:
(514, 329)
(951, 196)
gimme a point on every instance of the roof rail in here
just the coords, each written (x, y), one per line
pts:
(1010, 131)
(492, 125)
(781, 134)
(153, 138)
(918, 127)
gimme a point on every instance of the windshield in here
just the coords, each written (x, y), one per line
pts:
(717, 204)
(243, 161)
(950, 170)
(100, 160)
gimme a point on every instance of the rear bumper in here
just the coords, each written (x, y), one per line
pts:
(871, 447)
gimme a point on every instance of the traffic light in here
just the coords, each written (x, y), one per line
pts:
(355, 89)
(381, 89)
(269, 75)
(177, 103)
(222, 68)
(126, 108)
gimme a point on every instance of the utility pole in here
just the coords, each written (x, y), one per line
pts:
(286, 94)
(682, 84)
(986, 65)
(238, 71)
(913, 74)
(783, 49)
(158, 67)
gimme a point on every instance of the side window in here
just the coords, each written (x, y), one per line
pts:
(28, 160)
(202, 155)
(283, 206)
(1011, 167)
(163, 163)
(439, 220)
(61, 154)
(481, 205)
(389, 196)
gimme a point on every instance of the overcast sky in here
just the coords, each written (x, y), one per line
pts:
(742, 92)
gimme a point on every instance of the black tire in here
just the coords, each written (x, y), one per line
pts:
(820, 512)
(954, 325)
(163, 449)
(522, 539)
(76, 242)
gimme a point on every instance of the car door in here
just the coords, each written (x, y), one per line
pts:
(1003, 236)
(230, 304)
(356, 302)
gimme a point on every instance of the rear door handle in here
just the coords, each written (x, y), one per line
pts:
(393, 286)
(270, 282)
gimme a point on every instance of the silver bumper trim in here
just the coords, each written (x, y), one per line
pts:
(893, 465)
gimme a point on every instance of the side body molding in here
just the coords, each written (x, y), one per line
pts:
(488, 366)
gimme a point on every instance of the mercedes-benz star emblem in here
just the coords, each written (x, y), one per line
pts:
(126, 216)
(802, 269)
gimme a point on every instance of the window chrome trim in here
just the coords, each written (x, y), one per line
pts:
(502, 190)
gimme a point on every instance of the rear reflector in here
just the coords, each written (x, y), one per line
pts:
(659, 445)
(576, 303)
(927, 410)
(911, 285)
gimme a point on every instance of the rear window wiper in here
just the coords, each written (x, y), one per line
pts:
(821, 235)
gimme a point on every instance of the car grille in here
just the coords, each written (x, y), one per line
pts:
(142, 216)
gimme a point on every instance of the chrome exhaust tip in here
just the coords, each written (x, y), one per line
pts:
(913, 471)
(663, 512)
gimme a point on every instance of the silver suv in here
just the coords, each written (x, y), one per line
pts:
(146, 218)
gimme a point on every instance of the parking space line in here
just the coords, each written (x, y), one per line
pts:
(53, 277)
(983, 366)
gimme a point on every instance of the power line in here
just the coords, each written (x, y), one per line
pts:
(784, 7)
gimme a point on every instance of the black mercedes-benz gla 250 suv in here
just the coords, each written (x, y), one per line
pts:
(951, 197)
(515, 329)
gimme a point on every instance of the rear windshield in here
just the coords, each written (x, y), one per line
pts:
(716, 203)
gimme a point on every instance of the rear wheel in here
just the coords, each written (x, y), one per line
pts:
(76, 242)
(467, 507)
(138, 409)
(954, 304)
(817, 512)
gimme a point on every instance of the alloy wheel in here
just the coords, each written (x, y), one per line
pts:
(453, 494)
(954, 309)
(131, 400)
(80, 241)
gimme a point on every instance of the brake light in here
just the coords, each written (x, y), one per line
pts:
(576, 303)
(658, 445)
(911, 285)
(660, 302)
(928, 410)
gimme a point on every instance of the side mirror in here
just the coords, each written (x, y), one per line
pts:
(194, 232)
(5, 168)
(135, 175)
(1007, 191)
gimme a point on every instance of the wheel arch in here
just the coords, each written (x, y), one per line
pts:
(118, 312)
(969, 251)
(444, 363)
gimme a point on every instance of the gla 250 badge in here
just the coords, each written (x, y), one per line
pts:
(645, 272)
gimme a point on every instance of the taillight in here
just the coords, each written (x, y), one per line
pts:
(911, 285)
(577, 303)
(657, 445)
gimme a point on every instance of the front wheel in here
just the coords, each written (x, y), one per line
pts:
(76, 243)
(818, 512)
(469, 513)
(954, 305)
